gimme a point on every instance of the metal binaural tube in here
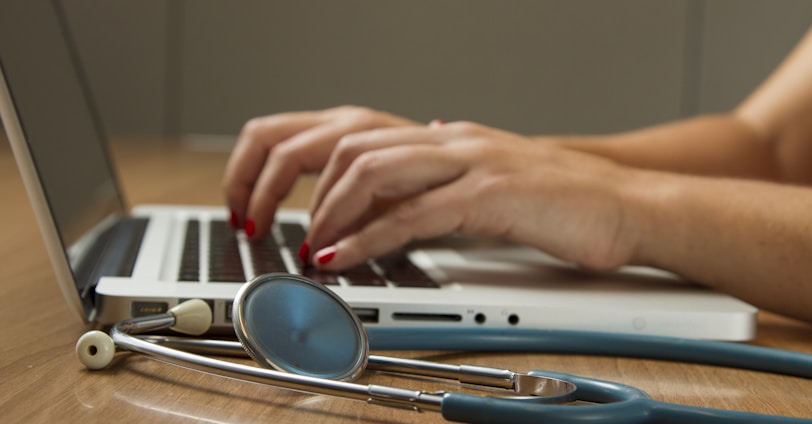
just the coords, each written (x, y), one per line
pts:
(390, 396)
(520, 384)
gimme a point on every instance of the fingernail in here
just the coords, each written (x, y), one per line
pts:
(304, 252)
(436, 123)
(326, 255)
(249, 228)
(233, 221)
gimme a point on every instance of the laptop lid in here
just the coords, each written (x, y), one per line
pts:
(58, 145)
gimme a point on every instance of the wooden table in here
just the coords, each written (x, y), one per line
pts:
(42, 381)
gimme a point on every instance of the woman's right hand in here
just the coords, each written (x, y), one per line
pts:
(272, 151)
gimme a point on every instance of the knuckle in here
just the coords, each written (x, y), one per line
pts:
(407, 213)
(368, 165)
(477, 149)
(467, 128)
(285, 150)
(345, 109)
(348, 147)
(360, 116)
(494, 185)
(250, 130)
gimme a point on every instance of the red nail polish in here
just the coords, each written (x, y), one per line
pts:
(234, 221)
(304, 253)
(326, 255)
(249, 227)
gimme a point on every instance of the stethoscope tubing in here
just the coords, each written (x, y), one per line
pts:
(461, 408)
(707, 352)
(616, 403)
(624, 405)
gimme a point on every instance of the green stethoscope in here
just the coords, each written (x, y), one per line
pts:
(308, 339)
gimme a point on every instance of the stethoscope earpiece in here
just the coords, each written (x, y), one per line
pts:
(191, 317)
(95, 350)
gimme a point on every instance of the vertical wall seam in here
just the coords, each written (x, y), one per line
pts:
(173, 89)
(693, 63)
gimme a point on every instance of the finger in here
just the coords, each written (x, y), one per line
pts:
(396, 172)
(304, 152)
(431, 214)
(257, 138)
(354, 145)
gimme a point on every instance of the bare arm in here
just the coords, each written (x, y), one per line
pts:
(752, 239)
(769, 136)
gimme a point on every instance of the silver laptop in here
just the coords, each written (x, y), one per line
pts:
(113, 263)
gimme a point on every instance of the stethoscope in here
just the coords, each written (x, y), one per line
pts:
(309, 340)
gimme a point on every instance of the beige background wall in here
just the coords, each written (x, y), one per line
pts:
(204, 67)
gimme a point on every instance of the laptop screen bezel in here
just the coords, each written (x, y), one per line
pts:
(58, 249)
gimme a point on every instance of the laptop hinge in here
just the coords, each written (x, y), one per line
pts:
(113, 254)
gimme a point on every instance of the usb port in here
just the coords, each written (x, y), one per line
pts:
(141, 309)
(367, 315)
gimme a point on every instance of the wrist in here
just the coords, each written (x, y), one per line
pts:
(652, 219)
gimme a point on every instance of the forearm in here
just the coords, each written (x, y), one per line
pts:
(750, 239)
(768, 136)
(718, 145)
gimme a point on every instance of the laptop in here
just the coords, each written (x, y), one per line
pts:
(113, 262)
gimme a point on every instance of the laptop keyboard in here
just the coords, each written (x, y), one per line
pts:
(226, 265)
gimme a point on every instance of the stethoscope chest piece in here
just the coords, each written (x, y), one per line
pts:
(290, 323)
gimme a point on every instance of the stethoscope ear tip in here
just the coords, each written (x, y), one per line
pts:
(95, 349)
(192, 317)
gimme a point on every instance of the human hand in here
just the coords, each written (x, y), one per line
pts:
(272, 151)
(386, 187)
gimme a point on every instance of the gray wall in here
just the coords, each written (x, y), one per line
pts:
(181, 67)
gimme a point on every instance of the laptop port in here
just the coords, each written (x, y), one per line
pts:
(416, 316)
(367, 315)
(229, 312)
(141, 309)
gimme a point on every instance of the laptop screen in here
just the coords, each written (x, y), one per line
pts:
(52, 103)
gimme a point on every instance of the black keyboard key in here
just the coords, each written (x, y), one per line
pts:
(293, 235)
(265, 256)
(363, 275)
(323, 277)
(190, 258)
(400, 270)
(225, 263)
